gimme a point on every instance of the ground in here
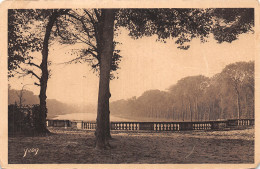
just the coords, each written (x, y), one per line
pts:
(77, 146)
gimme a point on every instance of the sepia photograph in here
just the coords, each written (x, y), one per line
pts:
(131, 85)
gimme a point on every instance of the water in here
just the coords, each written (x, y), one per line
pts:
(86, 117)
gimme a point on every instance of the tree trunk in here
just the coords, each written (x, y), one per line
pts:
(41, 127)
(182, 109)
(106, 54)
(190, 110)
(108, 135)
(238, 104)
(246, 106)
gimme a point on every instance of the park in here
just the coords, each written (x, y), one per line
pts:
(133, 86)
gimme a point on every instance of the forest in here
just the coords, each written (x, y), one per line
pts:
(226, 95)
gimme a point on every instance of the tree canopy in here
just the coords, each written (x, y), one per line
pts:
(185, 24)
(198, 97)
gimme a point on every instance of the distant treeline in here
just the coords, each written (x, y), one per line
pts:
(227, 95)
(55, 107)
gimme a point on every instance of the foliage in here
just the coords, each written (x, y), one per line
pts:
(23, 120)
(196, 98)
(186, 24)
(26, 28)
(86, 26)
(21, 39)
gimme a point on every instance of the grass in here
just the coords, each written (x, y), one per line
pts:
(77, 146)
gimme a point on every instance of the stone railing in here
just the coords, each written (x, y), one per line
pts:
(156, 126)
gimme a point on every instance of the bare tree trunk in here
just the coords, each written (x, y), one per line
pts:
(44, 77)
(238, 104)
(196, 104)
(209, 112)
(221, 107)
(190, 110)
(182, 109)
(105, 65)
(246, 106)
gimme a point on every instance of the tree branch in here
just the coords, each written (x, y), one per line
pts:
(90, 17)
(31, 72)
(33, 64)
(37, 84)
(27, 72)
(73, 60)
(83, 24)
(84, 41)
(58, 30)
(97, 14)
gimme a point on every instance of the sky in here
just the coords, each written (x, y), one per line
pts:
(146, 65)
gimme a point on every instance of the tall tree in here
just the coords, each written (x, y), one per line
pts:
(88, 29)
(239, 75)
(44, 67)
(183, 24)
(19, 49)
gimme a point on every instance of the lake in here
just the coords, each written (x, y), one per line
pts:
(86, 117)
